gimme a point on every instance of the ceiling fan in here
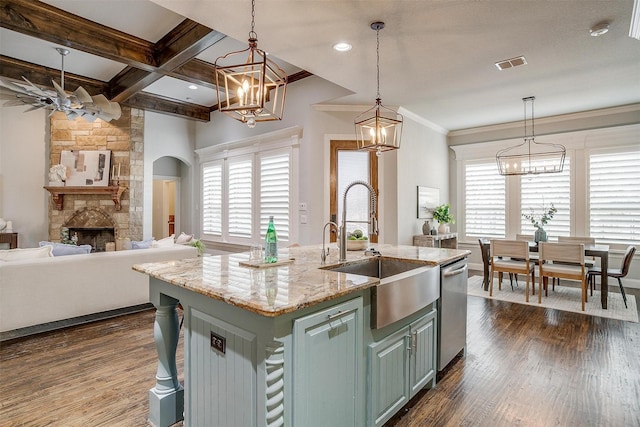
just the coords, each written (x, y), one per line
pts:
(74, 105)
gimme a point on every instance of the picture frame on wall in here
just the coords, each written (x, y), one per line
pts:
(428, 199)
(86, 168)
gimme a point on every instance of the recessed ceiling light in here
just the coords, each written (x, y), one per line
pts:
(193, 87)
(342, 47)
(599, 29)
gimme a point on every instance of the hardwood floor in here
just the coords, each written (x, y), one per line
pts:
(525, 366)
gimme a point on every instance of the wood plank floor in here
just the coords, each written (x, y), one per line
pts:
(525, 366)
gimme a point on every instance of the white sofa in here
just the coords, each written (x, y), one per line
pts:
(44, 290)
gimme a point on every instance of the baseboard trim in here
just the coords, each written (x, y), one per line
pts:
(75, 321)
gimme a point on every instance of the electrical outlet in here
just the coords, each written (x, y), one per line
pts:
(302, 206)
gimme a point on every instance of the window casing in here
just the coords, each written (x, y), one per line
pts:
(243, 186)
(599, 187)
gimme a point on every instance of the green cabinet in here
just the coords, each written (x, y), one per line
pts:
(400, 365)
(328, 371)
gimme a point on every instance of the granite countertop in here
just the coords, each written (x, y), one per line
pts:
(285, 288)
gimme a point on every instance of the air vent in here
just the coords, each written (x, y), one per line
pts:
(510, 63)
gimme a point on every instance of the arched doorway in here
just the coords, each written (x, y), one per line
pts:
(167, 174)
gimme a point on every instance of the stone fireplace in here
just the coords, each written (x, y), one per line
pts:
(92, 226)
(95, 217)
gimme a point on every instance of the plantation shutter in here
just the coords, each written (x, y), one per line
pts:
(275, 188)
(240, 194)
(484, 200)
(614, 197)
(538, 192)
(212, 199)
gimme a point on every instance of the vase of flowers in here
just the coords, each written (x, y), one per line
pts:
(443, 215)
(539, 220)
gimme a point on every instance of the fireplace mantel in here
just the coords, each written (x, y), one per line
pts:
(57, 193)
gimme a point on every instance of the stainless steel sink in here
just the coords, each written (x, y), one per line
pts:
(405, 287)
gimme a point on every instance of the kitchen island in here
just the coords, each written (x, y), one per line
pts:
(286, 345)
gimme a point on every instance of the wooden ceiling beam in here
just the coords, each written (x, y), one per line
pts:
(42, 76)
(42, 21)
(169, 106)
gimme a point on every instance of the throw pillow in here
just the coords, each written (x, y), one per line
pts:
(142, 244)
(29, 253)
(62, 249)
(183, 238)
(167, 241)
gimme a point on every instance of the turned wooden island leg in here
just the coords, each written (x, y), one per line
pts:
(166, 399)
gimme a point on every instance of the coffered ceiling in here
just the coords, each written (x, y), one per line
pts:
(436, 57)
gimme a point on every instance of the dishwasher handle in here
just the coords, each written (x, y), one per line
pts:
(451, 272)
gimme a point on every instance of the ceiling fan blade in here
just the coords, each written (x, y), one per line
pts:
(35, 89)
(82, 95)
(59, 89)
(12, 86)
(14, 103)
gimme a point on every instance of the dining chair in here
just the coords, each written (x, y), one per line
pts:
(486, 261)
(511, 256)
(618, 273)
(562, 261)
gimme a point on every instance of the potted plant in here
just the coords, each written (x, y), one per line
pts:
(444, 217)
(539, 220)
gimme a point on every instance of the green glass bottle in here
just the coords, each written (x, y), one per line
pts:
(271, 243)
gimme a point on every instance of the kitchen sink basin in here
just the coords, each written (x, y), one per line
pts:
(405, 287)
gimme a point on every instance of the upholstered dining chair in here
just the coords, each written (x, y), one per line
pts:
(618, 273)
(562, 261)
(486, 261)
(511, 256)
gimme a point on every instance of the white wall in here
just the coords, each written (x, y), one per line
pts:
(173, 137)
(24, 166)
(423, 160)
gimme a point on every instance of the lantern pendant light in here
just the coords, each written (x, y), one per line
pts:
(531, 157)
(379, 128)
(251, 87)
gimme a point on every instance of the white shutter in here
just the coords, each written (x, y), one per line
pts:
(614, 197)
(484, 200)
(275, 188)
(239, 197)
(212, 199)
(354, 166)
(538, 192)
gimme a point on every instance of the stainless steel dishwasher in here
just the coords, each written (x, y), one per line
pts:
(452, 311)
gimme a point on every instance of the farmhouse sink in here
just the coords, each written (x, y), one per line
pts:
(405, 287)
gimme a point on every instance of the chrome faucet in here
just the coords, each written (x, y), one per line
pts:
(324, 254)
(373, 222)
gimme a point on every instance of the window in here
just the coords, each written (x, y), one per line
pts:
(212, 199)
(239, 197)
(540, 191)
(275, 192)
(484, 200)
(614, 197)
(243, 186)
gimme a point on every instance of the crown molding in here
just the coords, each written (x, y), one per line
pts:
(630, 108)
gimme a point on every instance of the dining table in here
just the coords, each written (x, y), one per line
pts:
(593, 250)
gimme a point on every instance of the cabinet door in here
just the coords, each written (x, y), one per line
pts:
(388, 376)
(423, 354)
(327, 383)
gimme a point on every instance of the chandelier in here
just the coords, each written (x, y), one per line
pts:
(379, 128)
(251, 87)
(531, 157)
